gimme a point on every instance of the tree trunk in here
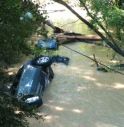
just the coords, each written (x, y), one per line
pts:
(107, 41)
(55, 28)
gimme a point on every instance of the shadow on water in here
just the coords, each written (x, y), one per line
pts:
(80, 96)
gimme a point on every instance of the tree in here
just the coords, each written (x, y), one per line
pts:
(104, 15)
(9, 114)
(18, 21)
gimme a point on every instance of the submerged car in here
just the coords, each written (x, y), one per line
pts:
(50, 44)
(32, 79)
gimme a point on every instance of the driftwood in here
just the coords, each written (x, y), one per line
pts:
(96, 62)
(64, 38)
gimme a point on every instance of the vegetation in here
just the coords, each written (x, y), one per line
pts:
(108, 16)
(9, 115)
(19, 20)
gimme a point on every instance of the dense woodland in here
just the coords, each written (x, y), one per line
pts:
(19, 20)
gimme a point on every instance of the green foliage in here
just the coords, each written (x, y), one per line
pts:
(13, 113)
(18, 21)
(38, 51)
(9, 117)
(116, 17)
(109, 12)
(108, 16)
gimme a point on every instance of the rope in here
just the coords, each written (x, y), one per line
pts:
(92, 59)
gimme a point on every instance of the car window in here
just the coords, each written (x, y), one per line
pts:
(26, 80)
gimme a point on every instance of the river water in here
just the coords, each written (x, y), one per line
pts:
(79, 95)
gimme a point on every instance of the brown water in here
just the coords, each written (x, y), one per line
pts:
(80, 96)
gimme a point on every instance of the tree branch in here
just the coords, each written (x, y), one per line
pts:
(108, 42)
(93, 59)
(102, 27)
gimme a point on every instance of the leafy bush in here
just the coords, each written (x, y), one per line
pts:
(18, 21)
(9, 117)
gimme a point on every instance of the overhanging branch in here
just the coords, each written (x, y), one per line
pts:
(108, 42)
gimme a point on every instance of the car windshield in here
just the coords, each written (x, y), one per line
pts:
(26, 80)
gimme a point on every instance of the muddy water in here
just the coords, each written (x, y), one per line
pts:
(80, 96)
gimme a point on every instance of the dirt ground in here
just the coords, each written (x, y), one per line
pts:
(80, 96)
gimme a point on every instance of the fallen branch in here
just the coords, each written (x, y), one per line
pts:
(71, 37)
(65, 36)
(97, 64)
(93, 60)
(55, 28)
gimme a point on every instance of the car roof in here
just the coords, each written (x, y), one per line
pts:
(29, 80)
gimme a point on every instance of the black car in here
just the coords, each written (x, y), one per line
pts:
(33, 77)
(31, 80)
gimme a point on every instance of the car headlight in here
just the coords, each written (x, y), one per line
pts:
(32, 99)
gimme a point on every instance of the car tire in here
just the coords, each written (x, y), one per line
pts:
(42, 61)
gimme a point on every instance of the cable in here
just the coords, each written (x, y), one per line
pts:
(93, 59)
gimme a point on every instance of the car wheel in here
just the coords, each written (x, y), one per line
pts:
(43, 61)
